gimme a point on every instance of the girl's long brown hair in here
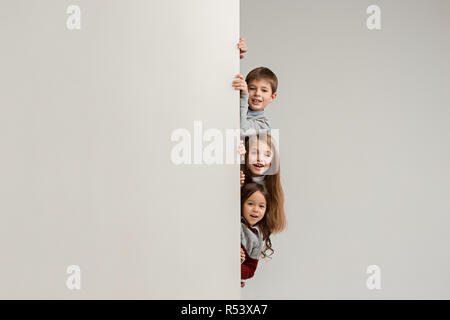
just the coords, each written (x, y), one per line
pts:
(276, 221)
(246, 192)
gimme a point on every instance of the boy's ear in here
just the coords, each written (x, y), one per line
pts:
(274, 95)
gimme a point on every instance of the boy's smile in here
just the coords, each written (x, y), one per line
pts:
(260, 94)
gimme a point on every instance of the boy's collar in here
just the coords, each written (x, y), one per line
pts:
(252, 113)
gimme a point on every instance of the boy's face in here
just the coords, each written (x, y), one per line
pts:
(260, 94)
(254, 208)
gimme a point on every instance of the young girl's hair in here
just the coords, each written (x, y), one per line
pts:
(263, 225)
(276, 219)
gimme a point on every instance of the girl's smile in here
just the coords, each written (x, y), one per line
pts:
(259, 168)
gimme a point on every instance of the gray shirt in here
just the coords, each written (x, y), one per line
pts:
(252, 121)
(252, 242)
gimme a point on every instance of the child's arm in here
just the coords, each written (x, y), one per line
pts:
(240, 84)
(248, 267)
(242, 48)
(241, 151)
(245, 124)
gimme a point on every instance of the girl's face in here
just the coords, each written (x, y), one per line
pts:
(254, 208)
(259, 157)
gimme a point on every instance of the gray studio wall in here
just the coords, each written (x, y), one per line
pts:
(86, 118)
(364, 137)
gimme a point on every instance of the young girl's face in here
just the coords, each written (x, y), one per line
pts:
(259, 157)
(254, 208)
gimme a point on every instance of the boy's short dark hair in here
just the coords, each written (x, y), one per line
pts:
(263, 73)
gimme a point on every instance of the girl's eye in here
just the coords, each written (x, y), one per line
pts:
(262, 207)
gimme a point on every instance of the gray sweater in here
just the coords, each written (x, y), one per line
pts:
(252, 121)
(253, 243)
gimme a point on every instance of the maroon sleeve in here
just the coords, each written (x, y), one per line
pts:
(248, 267)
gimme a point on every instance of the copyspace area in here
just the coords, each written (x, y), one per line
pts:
(364, 145)
(87, 179)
